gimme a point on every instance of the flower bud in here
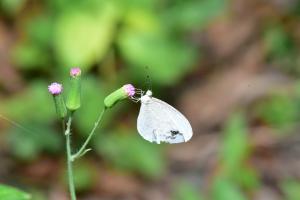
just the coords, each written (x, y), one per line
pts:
(74, 95)
(56, 89)
(124, 92)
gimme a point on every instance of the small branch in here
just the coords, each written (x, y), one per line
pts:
(69, 157)
(83, 149)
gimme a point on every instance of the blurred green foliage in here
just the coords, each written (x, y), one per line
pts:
(279, 111)
(97, 35)
(11, 7)
(281, 49)
(291, 189)
(191, 15)
(30, 143)
(235, 147)
(224, 188)
(93, 94)
(37, 194)
(10, 193)
(186, 191)
(235, 175)
(113, 41)
(39, 106)
(278, 43)
(84, 175)
(130, 152)
(82, 33)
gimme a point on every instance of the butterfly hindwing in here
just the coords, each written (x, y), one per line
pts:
(160, 122)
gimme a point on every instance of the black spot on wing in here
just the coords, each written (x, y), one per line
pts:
(174, 134)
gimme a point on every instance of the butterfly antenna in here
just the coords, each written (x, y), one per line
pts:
(16, 124)
(149, 81)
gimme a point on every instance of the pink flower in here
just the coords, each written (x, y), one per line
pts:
(55, 88)
(129, 89)
(75, 71)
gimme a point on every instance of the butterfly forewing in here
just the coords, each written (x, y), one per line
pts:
(160, 122)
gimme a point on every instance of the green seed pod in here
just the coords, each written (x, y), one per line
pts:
(74, 95)
(118, 95)
(60, 106)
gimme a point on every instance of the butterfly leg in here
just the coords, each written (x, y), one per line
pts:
(135, 99)
(156, 136)
(139, 91)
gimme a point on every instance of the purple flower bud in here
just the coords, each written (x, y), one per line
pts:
(75, 71)
(124, 92)
(55, 88)
(129, 89)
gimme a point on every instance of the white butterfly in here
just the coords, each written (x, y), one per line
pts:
(160, 122)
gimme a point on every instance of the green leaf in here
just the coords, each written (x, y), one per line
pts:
(30, 143)
(12, 7)
(29, 56)
(278, 43)
(247, 178)
(33, 104)
(143, 21)
(291, 189)
(189, 15)
(10, 193)
(130, 152)
(138, 4)
(93, 95)
(235, 147)
(33, 52)
(84, 175)
(82, 37)
(225, 189)
(278, 111)
(186, 191)
(168, 60)
(40, 30)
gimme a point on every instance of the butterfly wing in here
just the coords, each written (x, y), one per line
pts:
(160, 122)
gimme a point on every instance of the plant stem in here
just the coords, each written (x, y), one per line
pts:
(69, 158)
(83, 149)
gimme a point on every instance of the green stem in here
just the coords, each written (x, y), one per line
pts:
(69, 158)
(83, 149)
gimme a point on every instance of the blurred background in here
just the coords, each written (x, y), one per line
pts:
(232, 67)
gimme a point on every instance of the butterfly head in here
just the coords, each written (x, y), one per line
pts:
(149, 93)
(147, 97)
